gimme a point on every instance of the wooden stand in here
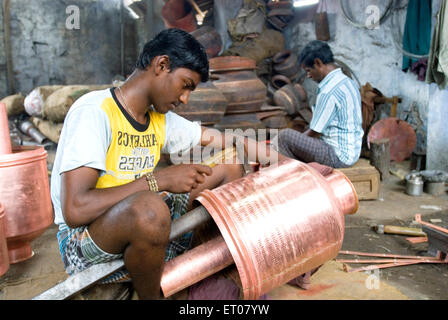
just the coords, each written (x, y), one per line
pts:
(380, 156)
(365, 178)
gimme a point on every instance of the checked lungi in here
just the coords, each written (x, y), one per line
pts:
(297, 145)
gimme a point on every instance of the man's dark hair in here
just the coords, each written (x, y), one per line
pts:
(316, 49)
(181, 47)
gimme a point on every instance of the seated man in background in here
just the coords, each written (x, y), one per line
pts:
(334, 137)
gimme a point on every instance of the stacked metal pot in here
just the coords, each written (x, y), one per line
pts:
(245, 93)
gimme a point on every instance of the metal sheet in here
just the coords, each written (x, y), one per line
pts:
(400, 134)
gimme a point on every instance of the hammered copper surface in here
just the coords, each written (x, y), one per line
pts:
(25, 195)
(400, 134)
(280, 222)
(4, 260)
(195, 265)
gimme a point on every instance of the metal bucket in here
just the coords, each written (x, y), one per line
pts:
(414, 184)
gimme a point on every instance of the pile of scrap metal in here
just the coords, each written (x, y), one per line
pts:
(254, 81)
(437, 252)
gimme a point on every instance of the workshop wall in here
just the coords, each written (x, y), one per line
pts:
(374, 57)
(3, 78)
(49, 47)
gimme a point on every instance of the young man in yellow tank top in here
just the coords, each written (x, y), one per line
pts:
(105, 194)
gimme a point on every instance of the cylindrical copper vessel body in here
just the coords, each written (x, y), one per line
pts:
(235, 77)
(25, 195)
(206, 104)
(5, 140)
(4, 259)
(280, 222)
(195, 265)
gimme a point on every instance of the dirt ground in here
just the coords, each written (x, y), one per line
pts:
(28, 279)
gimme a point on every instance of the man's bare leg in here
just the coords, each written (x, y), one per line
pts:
(139, 226)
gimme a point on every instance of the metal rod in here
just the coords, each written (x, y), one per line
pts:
(386, 255)
(418, 218)
(389, 265)
(385, 260)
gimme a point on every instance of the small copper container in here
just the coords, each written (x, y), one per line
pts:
(25, 195)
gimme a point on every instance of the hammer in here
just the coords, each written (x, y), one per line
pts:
(382, 229)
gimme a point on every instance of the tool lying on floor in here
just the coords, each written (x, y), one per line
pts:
(437, 236)
(382, 229)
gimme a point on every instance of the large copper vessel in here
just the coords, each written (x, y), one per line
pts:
(25, 195)
(206, 104)
(277, 223)
(235, 77)
(4, 260)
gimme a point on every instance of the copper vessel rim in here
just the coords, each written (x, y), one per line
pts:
(23, 155)
(353, 189)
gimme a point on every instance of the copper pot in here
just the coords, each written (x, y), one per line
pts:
(231, 63)
(210, 39)
(235, 77)
(279, 81)
(206, 104)
(286, 97)
(4, 259)
(25, 194)
(285, 63)
(178, 14)
(277, 223)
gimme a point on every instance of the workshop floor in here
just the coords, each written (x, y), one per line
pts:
(424, 281)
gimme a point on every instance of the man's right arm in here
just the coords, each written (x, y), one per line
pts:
(82, 202)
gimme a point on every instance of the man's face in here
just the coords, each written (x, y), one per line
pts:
(313, 73)
(174, 88)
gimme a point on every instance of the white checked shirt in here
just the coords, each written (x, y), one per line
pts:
(337, 116)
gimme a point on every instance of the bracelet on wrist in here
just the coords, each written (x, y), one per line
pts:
(152, 182)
